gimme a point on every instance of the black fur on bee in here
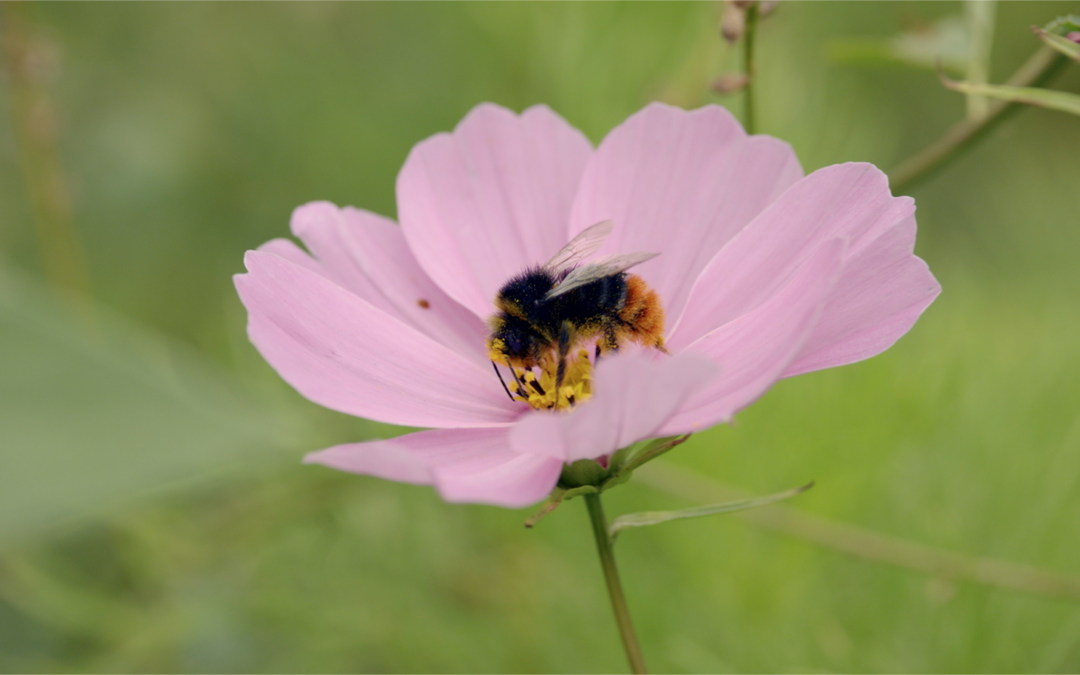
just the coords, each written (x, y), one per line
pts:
(529, 323)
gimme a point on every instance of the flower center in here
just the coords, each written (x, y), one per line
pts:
(536, 386)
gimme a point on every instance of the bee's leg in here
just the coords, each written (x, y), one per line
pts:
(564, 349)
(502, 381)
(596, 355)
(610, 341)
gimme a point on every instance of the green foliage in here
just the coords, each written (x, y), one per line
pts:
(943, 43)
(94, 410)
(190, 131)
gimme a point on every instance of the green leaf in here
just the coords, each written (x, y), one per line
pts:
(653, 517)
(1044, 98)
(96, 411)
(1059, 43)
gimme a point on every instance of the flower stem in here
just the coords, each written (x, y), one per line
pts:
(611, 576)
(1036, 72)
(748, 60)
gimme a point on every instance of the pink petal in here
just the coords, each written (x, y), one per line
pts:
(754, 350)
(846, 200)
(284, 248)
(509, 479)
(342, 353)
(680, 184)
(465, 465)
(483, 203)
(880, 295)
(367, 254)
(633, 397)
(391, 459)
(320, 226)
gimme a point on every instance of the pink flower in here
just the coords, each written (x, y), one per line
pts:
(763, 273)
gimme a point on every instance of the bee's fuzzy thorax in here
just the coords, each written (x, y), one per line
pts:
(523, 293)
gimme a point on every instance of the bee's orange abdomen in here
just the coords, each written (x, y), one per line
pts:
(643, 315)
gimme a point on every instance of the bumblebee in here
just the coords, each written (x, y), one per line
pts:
(545, 311)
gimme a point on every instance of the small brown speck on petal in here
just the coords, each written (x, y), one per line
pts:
(424, 303)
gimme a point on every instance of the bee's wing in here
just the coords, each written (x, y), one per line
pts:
(599, 269)
(580, 247)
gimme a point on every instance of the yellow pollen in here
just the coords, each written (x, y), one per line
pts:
(539, 391)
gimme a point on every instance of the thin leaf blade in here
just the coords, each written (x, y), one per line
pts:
(646, 518)
(1059, 43)
(1044, 98)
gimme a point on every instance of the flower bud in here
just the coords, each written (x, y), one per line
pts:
(583, 472)
(732, 23)
(730, 83)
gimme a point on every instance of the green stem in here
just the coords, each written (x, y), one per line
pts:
(46, 184)
(611, 576)
(1036, 72)
(748, 59)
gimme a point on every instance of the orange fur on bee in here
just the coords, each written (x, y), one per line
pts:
(642, 316)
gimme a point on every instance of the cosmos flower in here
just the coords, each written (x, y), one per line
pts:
(763, 273)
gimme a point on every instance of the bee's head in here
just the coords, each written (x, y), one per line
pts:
(519, 342)
(515, 341)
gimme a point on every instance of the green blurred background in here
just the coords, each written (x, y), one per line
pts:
(153, 512)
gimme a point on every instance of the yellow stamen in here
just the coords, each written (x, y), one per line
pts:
(576, 385)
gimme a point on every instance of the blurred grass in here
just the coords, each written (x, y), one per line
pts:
(190, 131)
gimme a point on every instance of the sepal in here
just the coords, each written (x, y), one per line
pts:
(587, 476)
(626, 460)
